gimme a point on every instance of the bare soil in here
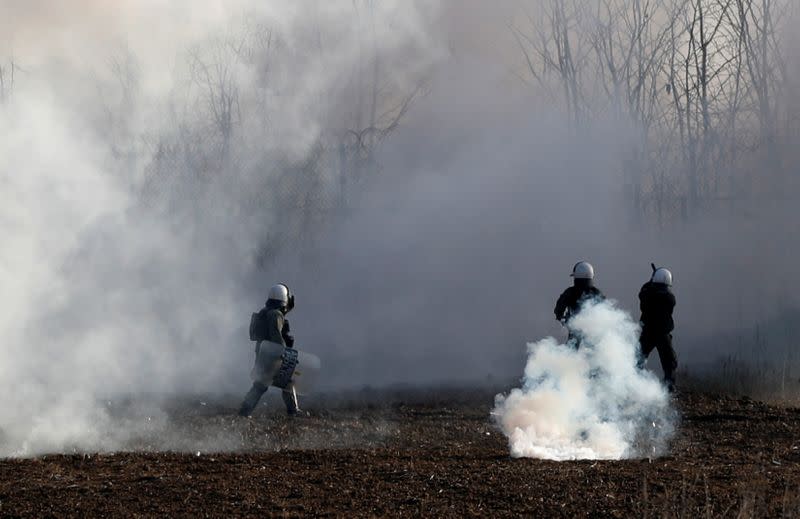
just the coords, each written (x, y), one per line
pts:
(418, 454)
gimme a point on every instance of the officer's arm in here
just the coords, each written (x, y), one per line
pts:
(275, 328)
(561, 306)
(286, 333)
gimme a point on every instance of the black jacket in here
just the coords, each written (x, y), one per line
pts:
(656, 302)
(570, 301)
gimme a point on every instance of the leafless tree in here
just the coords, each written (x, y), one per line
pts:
(755, 21)
(219, 89)
(629, 39)
(555, 49)
(379, 106)
(704, 84)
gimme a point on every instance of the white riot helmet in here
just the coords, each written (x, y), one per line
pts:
(282, 294)
(662, 276)
(583, 270)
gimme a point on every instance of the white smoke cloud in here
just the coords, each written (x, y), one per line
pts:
(108, 292)
(590, 403)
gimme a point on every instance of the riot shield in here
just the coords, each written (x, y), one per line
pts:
(285, 368)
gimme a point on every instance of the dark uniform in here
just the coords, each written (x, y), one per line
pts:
(570, 301)
(657, 302)
(276, 329)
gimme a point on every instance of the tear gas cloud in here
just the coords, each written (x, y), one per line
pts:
(122, 280)
(164, 163)
(589, 403)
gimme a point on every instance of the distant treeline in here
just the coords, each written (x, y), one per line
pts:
(709, 90)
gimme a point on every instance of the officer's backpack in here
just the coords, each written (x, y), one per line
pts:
(258, 326)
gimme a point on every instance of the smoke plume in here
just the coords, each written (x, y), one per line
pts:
(589, 403)
(151, 153)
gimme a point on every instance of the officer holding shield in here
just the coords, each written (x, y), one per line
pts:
(270, 324)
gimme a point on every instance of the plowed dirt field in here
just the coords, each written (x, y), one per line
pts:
(418, 454)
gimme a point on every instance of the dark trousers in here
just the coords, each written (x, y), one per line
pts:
(255, 394)
(663, 343)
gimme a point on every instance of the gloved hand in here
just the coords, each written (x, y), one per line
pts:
(286, 333)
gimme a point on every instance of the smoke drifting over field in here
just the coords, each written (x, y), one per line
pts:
(164, 163)
(141, 146)
(590, 403)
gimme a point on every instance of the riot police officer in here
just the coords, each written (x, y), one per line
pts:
(657, 302)
(270, 324)
(571, 300)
